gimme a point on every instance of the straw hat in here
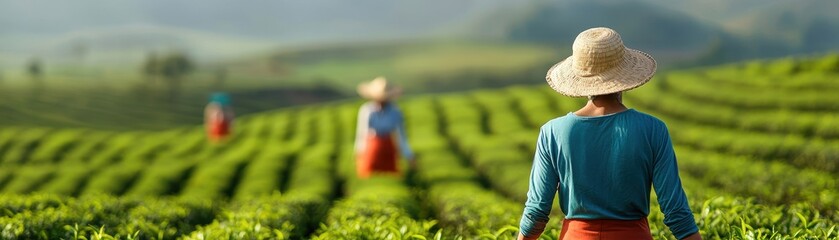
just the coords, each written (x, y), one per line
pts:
(379, 90)
(600, 65)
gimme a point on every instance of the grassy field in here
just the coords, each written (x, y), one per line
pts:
(419, 66)
(757, 144)
(122, 99)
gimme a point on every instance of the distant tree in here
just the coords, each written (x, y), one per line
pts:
(171, 67)
(35, 69)
(150, 66)
(175, 65)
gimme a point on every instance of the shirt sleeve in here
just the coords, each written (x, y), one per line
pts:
(668, 187)
(540, 195)
(362, 128)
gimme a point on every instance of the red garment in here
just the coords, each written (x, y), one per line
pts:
(605, 229)
(378, 157)
(218, 129)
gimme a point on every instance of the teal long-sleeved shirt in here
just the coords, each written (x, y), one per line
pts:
(603, 168)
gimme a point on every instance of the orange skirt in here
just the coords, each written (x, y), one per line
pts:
(605, 229)
(218, 129)
(379, 157)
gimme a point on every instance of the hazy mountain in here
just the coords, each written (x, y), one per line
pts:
(709, 30)
(265, 19)
(661, 32)
(802, 26)
(719, 11)
(766, 28)
(691, 31)
(213, 27)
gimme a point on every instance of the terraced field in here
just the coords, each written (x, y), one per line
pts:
(757, 145)
(124, 107)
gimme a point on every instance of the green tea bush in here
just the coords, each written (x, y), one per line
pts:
(267, 217)
(115, 179)
(461, 205)
(161, 179)
(828, 64)
(48, 218)
(262, 175)
(68, 181)
(773, 182)
(503, 113)
(767, 121)
(51, 149)
(693, 86)
(91, 144)
(726, 218)
(212, 178)
(113, 151)
(166, 218)
(536, 107)
(377, 208)
(25, 143)
(29, 178)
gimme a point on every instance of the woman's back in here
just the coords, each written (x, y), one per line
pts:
(605, 163)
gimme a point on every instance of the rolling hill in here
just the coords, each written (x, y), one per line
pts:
(683, 32)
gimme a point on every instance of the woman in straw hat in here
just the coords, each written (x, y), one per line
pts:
(380, 123)
(604, 158)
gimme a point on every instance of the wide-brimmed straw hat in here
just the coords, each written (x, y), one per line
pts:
(379, 90)
(600, 65)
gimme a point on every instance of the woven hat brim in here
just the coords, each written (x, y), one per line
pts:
(366, 92)
(636, 69)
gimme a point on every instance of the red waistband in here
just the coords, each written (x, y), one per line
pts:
(607, 221)
(605, 229)
(373, 136)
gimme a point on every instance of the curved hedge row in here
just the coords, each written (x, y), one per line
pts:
(692, 85)
(53, 217)
(798, 151)
(822, 125)
(377, 208)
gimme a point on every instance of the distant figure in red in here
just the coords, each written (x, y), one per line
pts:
(380, 128)
(218, 117)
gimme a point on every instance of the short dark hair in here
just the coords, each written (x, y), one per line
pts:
(599, 96)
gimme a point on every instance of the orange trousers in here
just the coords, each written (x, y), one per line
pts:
(605, 229)
(378, 157)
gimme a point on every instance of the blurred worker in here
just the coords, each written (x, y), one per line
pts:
(604, 158)
(218, 117)
(380, 128)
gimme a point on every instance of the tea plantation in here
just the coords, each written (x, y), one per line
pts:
(757, 145)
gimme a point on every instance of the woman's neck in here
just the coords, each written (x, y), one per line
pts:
(381, 105)
(602, 105)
